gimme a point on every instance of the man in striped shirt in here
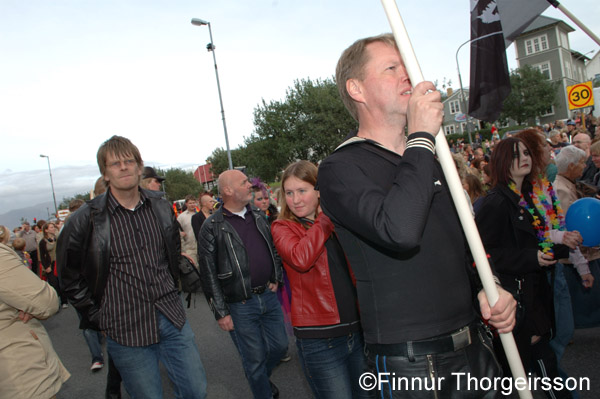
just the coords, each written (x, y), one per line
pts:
(118, 259)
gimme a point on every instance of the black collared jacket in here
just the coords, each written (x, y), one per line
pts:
(223, 261)
(83, 252)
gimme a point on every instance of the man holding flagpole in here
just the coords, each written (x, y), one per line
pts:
(387, 196)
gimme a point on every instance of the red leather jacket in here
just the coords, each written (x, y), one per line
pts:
(305, 260)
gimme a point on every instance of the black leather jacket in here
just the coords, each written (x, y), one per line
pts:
(223, 261)
(83, 253)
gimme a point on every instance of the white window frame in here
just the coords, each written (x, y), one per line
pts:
(564, 40)
(568, 70)
(454, 106)
(449, 129)
(544, 66)
(550, 111)
(536, 44)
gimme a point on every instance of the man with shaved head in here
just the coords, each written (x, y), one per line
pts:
(240, 273)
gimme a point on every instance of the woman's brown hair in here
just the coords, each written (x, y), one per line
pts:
(302, 170)
(45, 228)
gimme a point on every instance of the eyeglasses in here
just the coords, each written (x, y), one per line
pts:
(117, 164)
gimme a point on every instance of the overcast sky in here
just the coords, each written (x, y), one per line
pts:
(75, 72)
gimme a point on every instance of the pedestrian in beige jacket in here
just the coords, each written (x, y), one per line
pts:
(29, 366)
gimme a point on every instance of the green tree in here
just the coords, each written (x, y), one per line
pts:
(66, 200)
(446, 84)
(308, 124)
(532, 95)
(180, 183)
(220, 163)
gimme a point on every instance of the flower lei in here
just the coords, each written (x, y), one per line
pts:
(550, 210)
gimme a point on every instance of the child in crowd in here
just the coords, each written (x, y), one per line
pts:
(19, 247)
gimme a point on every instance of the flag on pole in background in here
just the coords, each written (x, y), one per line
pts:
(503, 21)
(490, 82)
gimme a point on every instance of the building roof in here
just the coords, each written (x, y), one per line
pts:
(456, 93)
(543, 22)
(578, 56)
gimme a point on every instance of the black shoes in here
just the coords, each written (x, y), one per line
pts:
(274, 390)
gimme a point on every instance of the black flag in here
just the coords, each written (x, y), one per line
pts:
(517, 15)
(490, 82)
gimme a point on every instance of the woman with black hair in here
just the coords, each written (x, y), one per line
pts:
(516, 236)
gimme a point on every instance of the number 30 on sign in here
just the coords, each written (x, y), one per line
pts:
(580, 95)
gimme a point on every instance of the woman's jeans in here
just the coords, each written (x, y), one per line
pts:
(333, 366)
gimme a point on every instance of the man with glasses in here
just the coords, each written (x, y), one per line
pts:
(118, 258)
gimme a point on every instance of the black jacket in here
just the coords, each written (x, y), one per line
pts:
(509, 237)
(83, 252)
(223, 261)
(399, 229)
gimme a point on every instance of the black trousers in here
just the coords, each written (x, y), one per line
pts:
(53, 281)
(460, 374)
(539, 359)
(35, 267)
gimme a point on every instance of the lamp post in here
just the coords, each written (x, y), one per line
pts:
(211, 47)
(51, 184)
(462, 92)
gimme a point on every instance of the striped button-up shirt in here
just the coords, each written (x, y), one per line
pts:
(139, 283)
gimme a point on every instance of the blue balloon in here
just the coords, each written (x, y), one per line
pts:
(584, 216)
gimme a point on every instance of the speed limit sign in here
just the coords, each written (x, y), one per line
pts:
(580, 95)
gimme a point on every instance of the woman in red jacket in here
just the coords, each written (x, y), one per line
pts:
(324, 312)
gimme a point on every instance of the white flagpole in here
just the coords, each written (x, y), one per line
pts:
(577, 22)
(457, 192)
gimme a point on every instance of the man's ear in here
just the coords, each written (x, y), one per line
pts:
(354, 89)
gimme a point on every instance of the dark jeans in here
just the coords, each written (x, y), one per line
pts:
(441, 375)
(260, 338)
(333, 366)
(176, 350)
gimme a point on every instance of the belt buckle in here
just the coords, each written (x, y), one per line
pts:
(259, 290)
(461, 338)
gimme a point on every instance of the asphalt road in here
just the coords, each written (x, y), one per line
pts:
(224, 371)
(223, 367)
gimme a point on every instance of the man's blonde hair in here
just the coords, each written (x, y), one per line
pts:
(351, 65)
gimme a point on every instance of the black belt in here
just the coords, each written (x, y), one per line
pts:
(447, 343)
(259, 290)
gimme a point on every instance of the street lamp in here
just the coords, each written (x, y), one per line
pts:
(211, 47)
(51, 183)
